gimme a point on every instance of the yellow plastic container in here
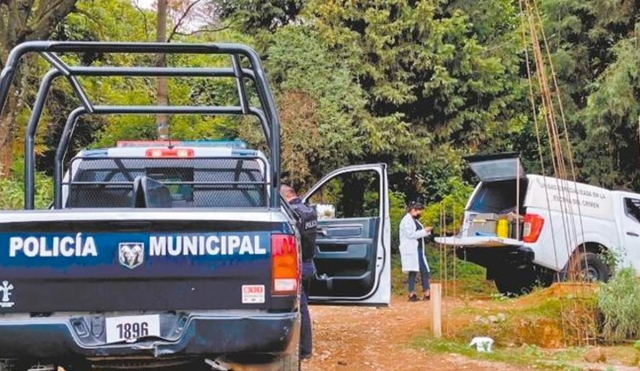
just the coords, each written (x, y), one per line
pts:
(503, 228)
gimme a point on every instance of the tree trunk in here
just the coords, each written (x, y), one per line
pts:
(8, 131)
(22, 20)
(161, 61)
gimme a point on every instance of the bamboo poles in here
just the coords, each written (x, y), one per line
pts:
(447, 267)
(559, 146)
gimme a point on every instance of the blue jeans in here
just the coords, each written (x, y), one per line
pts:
(424, 274)
(305, 328)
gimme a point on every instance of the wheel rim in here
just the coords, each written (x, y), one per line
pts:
(592, 274)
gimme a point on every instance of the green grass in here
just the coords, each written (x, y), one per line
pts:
(556, 315)
(536, 357)
(529, 322)
(619, 302)
(470, 278)
(534, 319)
(568, 359)
(526, 320)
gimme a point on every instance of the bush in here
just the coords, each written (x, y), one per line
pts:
(452, 205)
(397, 210)
(619, 303)
(12, 195)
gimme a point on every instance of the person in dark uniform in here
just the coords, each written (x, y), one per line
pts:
(307, 225)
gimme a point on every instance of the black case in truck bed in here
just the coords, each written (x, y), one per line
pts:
(158, 254)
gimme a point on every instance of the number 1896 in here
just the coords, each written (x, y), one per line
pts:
(133, 330)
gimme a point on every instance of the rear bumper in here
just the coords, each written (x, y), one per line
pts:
(491, 257)
(190, 335)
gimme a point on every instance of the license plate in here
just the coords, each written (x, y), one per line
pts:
(132, 327)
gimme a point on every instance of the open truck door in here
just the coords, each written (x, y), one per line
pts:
(353, 247)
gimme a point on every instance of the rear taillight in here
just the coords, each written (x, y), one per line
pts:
(170, 152)
(532, 228)
(285, 264)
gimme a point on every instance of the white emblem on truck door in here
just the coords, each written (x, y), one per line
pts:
(5, 289)
(131, 254)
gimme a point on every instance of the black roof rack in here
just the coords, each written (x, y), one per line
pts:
(266, 113)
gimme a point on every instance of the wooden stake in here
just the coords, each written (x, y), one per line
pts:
(436, 310)
(445, 251)
(453, 250)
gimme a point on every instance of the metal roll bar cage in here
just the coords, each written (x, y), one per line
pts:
(266, 114)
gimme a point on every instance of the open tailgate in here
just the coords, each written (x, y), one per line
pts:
(479, 241)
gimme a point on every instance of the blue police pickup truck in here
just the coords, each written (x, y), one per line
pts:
(157, 254)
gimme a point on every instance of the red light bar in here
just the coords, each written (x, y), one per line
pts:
(171, 153)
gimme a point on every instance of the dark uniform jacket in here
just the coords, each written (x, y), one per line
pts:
(307, 225)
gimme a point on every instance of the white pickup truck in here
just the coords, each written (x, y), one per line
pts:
(555, 226)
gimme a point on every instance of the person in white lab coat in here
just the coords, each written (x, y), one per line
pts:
(412, 246)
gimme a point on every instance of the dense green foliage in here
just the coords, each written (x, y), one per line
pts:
(13, 190)
(619, 303)
(417, 84)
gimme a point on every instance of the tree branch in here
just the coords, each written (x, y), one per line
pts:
(12, 26)
(203, 30)
(26, 12)
(45, 24)
(144, 17)
(179, 23)
(44, 8)
(93, 19)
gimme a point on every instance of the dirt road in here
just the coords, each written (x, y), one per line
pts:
(355, 338)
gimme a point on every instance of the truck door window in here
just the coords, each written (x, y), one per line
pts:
(349, 195)
(632, 208)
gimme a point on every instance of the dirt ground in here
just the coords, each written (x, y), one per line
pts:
(360, 338)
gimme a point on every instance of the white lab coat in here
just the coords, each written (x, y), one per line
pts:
(409, 236)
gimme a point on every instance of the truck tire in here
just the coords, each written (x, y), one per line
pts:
(515, 281)
(592, 268)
